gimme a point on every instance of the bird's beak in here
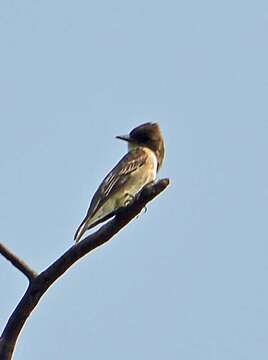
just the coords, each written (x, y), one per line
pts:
(124, 137)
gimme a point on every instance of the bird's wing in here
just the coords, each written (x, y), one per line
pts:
(117, 178)
(111, 184)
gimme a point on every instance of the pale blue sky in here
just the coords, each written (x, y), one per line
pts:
(188, 279)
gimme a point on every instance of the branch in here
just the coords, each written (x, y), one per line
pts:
(40, 283)
(18, 263)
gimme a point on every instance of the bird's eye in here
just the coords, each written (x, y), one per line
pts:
(140, 135)
(144, 138)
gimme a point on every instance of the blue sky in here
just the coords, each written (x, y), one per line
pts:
(188, 278)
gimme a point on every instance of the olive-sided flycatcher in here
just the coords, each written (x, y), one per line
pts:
(136, 169)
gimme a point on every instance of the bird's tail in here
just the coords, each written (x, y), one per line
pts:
(81, 230)
(88, 223)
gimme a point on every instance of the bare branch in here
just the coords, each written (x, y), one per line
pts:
(18, 263)
(40, 283)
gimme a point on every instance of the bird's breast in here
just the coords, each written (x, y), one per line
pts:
(142, 175)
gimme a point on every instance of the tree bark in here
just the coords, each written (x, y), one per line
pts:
(39, 283)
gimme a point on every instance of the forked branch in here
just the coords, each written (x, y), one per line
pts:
(39, 283)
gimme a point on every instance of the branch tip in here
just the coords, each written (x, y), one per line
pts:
(18, 263)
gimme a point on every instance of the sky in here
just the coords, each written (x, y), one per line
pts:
(187, 279)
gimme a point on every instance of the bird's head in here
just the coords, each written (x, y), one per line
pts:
(147, 135)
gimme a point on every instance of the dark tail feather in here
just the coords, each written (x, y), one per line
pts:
(84, 226)
(80, 231)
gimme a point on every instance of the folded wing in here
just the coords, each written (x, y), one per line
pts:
(112, 183)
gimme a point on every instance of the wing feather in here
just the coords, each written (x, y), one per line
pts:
(111, 184)
(117, 178)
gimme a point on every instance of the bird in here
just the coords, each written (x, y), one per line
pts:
(136, 169)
